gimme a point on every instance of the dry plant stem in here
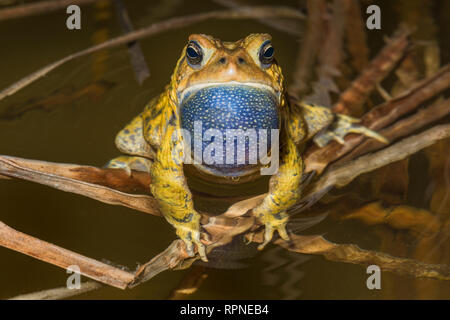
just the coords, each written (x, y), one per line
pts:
(355, 29)
(330, 56)
(59, 293)
(140, 67)
(170, 258)
(401, 128)
(350, 253)
(342, 175)
(377, 70)
(169, 24)
(35, 171)
(331, 53)
(379, 117)
(32, 9)
(20, 242)
(309, 48)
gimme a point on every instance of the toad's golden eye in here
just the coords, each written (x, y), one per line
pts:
(194, 54)
(266, 53)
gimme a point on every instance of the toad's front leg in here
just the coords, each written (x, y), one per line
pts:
(169, 187)
(284, 192)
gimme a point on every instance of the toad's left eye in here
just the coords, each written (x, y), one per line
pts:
(266, 54)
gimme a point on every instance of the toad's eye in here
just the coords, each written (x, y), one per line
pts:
(194, 54)
(266, 54)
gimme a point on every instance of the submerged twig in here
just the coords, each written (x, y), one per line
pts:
(350, 253)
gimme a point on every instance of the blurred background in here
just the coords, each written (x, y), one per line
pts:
(73, 114)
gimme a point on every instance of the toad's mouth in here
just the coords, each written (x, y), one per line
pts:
(229, 124)
(186, 93)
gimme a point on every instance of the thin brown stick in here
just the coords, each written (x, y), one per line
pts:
(169, 24)
(309, 48)
(59, 293)
(350, 253)
(31, 9)
(377, 70)
(379, 117)
(355, 30)
(50, 253)
(342, 175)
(330, 56)
(35, 171)
(137, 58)
(422, 118)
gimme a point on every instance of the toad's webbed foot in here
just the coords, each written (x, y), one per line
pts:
(130, 163)
(342, 126)
(188, 230)
(272, 223)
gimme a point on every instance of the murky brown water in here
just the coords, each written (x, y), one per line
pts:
(81, 130)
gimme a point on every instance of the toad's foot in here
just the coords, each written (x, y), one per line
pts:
(189, 232)
(130, 163)
(273, 222)
(343, 126)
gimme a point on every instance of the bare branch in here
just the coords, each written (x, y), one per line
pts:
(350, 253)
(376, 71)
(45, 251)
(379, 117)
(309, 48)
(402, 128)
(70, 178)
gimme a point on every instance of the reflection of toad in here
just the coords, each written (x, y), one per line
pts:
(225, 85)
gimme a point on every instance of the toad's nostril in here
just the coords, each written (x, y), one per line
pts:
(222, 60)
(241, 60)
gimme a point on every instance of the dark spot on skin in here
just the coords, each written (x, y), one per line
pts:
(126, 131)
(186, 218)
(278, 216)
(172, 120)
(156, 112)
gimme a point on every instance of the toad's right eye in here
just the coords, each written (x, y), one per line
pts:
(194, 54)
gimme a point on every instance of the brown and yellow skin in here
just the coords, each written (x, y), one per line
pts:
(149, 138)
